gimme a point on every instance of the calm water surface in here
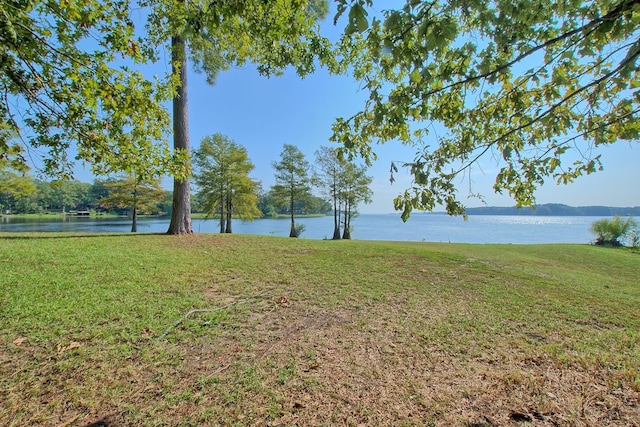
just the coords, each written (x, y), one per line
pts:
(420, 227)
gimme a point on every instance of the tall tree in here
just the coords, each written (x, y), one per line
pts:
(14, 186)
(66, 193)
(537, 86)
(139, 196)
(353, 189)
(272, 34)
(292, 181)
(221, 174)
(327, 177)
(63, 90)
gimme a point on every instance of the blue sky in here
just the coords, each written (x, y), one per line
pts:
(262, 114)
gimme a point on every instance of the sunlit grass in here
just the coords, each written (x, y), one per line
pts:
(313, 332)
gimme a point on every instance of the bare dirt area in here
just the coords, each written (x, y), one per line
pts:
(291, 364)
(367, 368)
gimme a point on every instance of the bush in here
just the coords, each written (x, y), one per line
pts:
(610, 232)
(299, 229)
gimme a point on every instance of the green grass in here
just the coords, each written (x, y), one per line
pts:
(314, 332)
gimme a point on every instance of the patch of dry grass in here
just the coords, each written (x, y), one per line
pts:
(303, 332)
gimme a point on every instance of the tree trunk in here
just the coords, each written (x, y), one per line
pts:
(229, 214)
(222, 207)
(336, 219)
(347, 220)
(293, 232)
(134, 220)
(181, 213)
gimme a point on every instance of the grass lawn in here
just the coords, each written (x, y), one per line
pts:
(100, 329)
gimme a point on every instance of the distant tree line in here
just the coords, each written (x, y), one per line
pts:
(555, 209)
(23, 194)
(28, 195)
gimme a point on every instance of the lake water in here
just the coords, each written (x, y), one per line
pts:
(420, 227)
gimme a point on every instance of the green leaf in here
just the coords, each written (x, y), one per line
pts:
(415, 76)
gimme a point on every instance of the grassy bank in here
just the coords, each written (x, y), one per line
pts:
(202, 215)
(51, 215)
(101, 328)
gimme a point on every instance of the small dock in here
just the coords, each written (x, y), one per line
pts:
(78, 213)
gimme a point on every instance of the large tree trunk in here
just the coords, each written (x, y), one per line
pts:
(181, 213)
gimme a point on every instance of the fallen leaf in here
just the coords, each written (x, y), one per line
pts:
(284, 301)
(19, 340)
(73, 344)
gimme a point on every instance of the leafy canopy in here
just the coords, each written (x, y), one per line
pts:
(536, 85)
(272, 34)
(129, 191)
(13, 185)
(292, 176)
(221, 174)
(69, 84)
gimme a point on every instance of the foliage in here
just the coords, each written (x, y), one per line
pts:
(311, 205)
(292, 181)
(272, 34)
(15, 186)
(130, 192)
(536, 86)
(140, 195)
(612, 231)
(345, 184)
(222, 170)
(69, 82)
(300, 229)
(327, 177)
(354, 189)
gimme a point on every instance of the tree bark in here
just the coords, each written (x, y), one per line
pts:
(222, 210)
(181, 213)
(336, 213)
(229, 215)
(293, 232)
(134, 221)
(347, 221)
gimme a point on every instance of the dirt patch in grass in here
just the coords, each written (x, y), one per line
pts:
(366, 368)
(294, 364)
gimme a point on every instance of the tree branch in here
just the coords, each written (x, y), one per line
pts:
(207, 310)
